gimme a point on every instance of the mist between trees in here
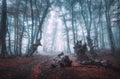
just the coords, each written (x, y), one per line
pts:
(56, 25)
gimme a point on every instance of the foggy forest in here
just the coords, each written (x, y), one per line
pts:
(59, 39)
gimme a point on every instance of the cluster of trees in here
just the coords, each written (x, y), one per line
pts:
(23, 20)
(97, 20)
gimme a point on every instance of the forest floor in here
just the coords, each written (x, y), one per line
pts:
(38, 67)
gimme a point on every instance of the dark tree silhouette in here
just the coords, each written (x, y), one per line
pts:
(3, 28)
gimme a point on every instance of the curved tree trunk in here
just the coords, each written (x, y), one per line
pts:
(38, 37)
(109, 28)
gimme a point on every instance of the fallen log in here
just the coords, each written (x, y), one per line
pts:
(102, 63)
(63, 62)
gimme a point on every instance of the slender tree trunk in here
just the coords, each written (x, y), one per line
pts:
(103, 43)
(101, 25)
(32, 18)
(96, 34)
(42, 21)
(33, 47)
(67, 35)
(83, 34)
(22, 30)
(31, 37)
(28, 44)
(109, 28)
(4, 28)
(16, 37)
(21, 37)
(81, 25)
(9, 43)
(73, 28)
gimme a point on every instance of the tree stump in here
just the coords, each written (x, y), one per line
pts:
(80, 50)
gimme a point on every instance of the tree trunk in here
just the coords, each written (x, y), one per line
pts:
(32, 18)
(101, 24)
(109, 28)
(67, 35)
(73, 28)
(9, 47)
(22, 30)
(88, 25)
(4, 28)
(33, 47)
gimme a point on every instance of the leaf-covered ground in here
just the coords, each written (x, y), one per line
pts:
(38, 67)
